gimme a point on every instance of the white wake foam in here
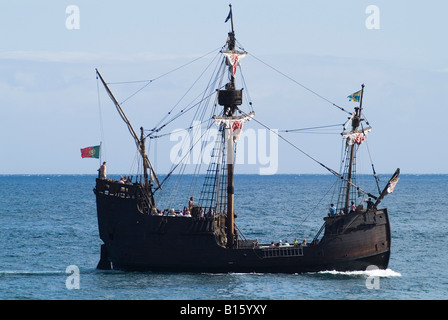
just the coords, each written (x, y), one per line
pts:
(368, 273)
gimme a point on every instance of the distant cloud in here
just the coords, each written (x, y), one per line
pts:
(442, 70)
(86, 57)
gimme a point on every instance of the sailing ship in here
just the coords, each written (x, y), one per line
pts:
(138, 237)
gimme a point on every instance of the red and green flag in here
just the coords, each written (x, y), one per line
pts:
(91, 152)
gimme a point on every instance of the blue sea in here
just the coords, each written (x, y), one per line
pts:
(50, 245)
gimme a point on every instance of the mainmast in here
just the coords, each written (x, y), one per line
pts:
(230, 99)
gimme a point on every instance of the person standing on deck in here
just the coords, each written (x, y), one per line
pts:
(102, 171)
(332, 210)
(370, 203)
(352, 207)
(190, 204)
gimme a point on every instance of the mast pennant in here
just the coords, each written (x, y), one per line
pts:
(355, 96)
(229, 16)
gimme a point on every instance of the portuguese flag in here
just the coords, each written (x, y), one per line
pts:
(91, 152)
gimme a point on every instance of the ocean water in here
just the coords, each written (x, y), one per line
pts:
(50, 245)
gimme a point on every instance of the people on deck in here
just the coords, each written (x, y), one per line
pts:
(370, 203)
(332, 210)
(296, 242)
(352, 207)
(210, 213)
(191, 204)
(102, 171)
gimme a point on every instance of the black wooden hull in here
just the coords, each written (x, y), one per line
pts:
(136, 241)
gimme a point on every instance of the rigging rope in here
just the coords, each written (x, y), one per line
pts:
(248, 99)
(206, 97)
(309, 156)
(158, 77)
(207, 94)
(318, 204)
(159, 127)
(182, 160)
(294, 146)
(298, 83)
(311, 128)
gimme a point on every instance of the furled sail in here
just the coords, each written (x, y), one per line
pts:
(356, 136)
(234, 58)
(235, 124)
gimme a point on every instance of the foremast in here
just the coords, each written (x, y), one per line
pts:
(356, 121)
(349, 191)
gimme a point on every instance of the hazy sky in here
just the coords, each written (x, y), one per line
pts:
(49, 99)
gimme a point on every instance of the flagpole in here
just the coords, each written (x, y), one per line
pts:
(101, 151)
(231, 17)
(360, 100)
